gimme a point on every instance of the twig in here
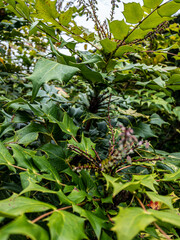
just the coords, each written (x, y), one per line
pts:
(146, 160)
(123, 168)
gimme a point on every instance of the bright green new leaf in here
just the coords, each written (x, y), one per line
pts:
(157, 120)
(119, 29)
(118, 186)
(152, 3)
(22, 226)
(133, 12)
(130, 221)
(167, 200)
(5, 157)
(65, 17)
(147, 181)
(152, 21)
(172, 176)
(85, 145)
(65, 225)
(68, 126)
(124, 49)
(46, 70)
(17, 205)
(167, 216)
(108, 45)
(168, 9)
(46, 10)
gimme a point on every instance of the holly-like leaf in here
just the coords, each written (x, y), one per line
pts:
(46, 10)
(17, 205)
(57, 155)
(22, 226)
(152, 3)
(124, 49)
(86, 145)
(168, 9)
(172, 176)
(5, 157)
(167, 216)
(96, 222)
(108, 45)
(167, 200)
(130, 221)
(119, 29)
(157, 120)
(143, 130)
(152, 21)
(133, 12)
(64, 225)
(46, 70)
(68, 126)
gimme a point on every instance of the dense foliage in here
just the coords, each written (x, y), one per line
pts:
(89, 140)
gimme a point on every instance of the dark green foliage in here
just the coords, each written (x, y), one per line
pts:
(89, 143)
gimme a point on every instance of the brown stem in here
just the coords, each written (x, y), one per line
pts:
(123, 168)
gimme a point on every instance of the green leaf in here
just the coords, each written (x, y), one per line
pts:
(77, 196)
(124, 49)
(133, 12)
(17, 205)
(108, 45)
(174, 82)
(85, 145)
(167, 200)
(46, 10)
(157, 120)
(64, 225)
(176, 111)
(130, 221)
(22, 157)
(30, 133)
(46, 70)
(152, 3)
(20, 8)
(167, 216)
(56, 155)
(65, 17)
(44, 166)
(168, 9)
(143, 130)
(24, 227)
(5, 157)
(137, 34)
(118, 186)
(152, 21)
(119, 29)
(147, 181)
(177, 1)
(172, 177)
(96, 222)
(68, 126)
(160, 82)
